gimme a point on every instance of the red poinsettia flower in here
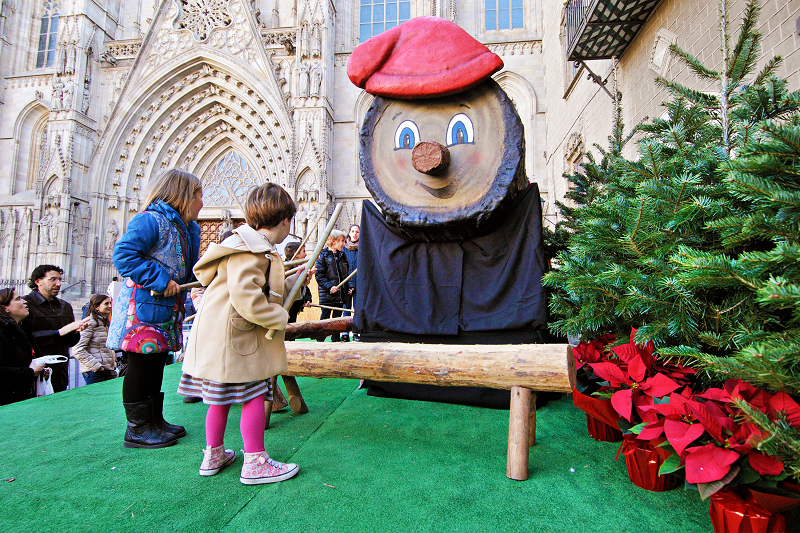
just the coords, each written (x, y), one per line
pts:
(784, 403)
(765, 465)
(588, 352)
(632, 391)
(680, 434)
(708, 463)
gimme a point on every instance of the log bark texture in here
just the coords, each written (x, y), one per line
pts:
(317, 328)
(539, 367)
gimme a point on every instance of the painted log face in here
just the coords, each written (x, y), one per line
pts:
(444, 168)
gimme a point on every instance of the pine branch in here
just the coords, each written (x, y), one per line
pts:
(781, 440)
(693, 63)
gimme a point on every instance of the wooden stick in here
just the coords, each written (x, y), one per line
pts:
(192, 285)
(293, 271)
(329, 307)
(190, 318)
(287, 303)
(345, 280)
(308, 231)
(293, 263)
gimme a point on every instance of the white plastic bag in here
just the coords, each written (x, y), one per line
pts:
(43, 384)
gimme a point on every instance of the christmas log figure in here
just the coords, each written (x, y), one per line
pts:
(449, 269)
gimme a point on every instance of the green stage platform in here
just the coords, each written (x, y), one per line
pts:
(367, 464)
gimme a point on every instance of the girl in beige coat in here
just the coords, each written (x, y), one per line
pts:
(98, 362)
(228, 358)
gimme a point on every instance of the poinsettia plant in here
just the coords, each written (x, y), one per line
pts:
(636, 378)
(709, 438)
(594, 351)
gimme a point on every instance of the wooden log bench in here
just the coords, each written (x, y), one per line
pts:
(524, 369)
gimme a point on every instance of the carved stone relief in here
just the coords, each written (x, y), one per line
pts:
(112, 232)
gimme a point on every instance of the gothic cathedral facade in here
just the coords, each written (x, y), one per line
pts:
(95, 101)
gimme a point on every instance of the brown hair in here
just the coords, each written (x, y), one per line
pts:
(267, 206)
(6, 297)
(40, 272)
(290, 249)
(175, 187)
(94, 303)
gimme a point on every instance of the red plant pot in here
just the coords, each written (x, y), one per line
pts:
(601, 418)
(738, 511)
(601, 431)
(643, 461)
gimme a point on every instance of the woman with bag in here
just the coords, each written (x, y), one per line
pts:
(17, 349)
(156, 253)
(98, 363)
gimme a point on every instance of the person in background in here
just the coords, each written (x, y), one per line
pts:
(351, 251)
(305, 294)
(156, 253)
(110, 289)
(98, 362)
(331, 270)
(52, 320)
(17, 349)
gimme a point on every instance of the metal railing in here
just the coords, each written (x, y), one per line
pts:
(19, 285)
(574, 20)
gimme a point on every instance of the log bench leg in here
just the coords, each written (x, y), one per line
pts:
(532, 418)
(267, 413)
(521, 413)
(296, 401)
(278, 400)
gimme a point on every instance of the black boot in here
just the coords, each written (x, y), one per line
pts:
(158, 417)
(142, 432)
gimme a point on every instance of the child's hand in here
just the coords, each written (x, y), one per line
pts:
(334, 290)
(310, 275)
(172, 288)
(350, 291)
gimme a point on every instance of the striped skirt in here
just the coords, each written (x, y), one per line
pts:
(214, 393)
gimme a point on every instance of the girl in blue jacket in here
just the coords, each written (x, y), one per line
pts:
(156, 253)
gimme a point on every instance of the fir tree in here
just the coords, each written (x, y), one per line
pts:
(696, 242)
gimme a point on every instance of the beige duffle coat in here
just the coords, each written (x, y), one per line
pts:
(245, 283)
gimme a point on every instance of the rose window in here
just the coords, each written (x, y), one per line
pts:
(202, 16)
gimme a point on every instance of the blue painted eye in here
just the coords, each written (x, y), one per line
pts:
(406, 136)
(460, 131)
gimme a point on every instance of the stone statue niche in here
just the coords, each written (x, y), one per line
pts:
(112, 232)
(48, 227)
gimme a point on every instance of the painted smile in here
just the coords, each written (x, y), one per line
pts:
(448, 191)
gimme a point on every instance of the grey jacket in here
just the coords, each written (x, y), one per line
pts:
(91, 350)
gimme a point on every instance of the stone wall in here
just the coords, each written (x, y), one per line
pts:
(583, 110)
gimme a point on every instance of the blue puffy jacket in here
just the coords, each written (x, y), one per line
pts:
(157, 247)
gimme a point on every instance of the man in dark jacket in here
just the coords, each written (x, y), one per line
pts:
(332, 269)
(52, 320)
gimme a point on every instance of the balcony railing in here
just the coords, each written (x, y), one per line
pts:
(602, 29)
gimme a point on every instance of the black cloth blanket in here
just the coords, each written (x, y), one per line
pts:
(486, 284)
(486, 290)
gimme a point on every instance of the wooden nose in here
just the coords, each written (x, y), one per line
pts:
(430, 158)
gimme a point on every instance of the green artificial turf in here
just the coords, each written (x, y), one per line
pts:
(367, 464)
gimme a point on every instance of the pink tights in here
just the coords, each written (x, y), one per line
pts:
(251, 424)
